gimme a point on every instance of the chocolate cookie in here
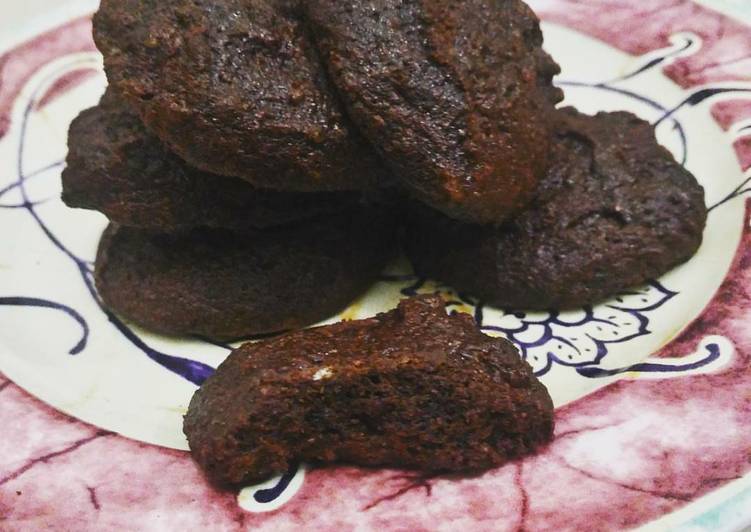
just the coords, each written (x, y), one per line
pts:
(614, 211)
(116, 166)
(228, 285)
(411, 388)
(234, 87)
(454, 95)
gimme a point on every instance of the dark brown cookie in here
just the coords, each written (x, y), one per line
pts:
(228, 285)
(614, 211)
(116, 166)
(411, 388)
(234, 87)
(455, 96)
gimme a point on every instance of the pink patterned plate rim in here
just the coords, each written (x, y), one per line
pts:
(652, 388)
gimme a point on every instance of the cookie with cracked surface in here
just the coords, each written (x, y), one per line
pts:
(614, 211)
(455, 96)
(236, 88)
(411, 388)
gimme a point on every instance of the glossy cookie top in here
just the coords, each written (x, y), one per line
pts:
(614, 211)
(455, 96)
(236, 88)
(412, 388)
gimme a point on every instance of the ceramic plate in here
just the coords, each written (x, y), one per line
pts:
(651, 387)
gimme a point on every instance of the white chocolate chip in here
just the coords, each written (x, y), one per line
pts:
(323, 373)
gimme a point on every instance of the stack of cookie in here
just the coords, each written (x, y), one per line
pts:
(241, 199)
(242, 148)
